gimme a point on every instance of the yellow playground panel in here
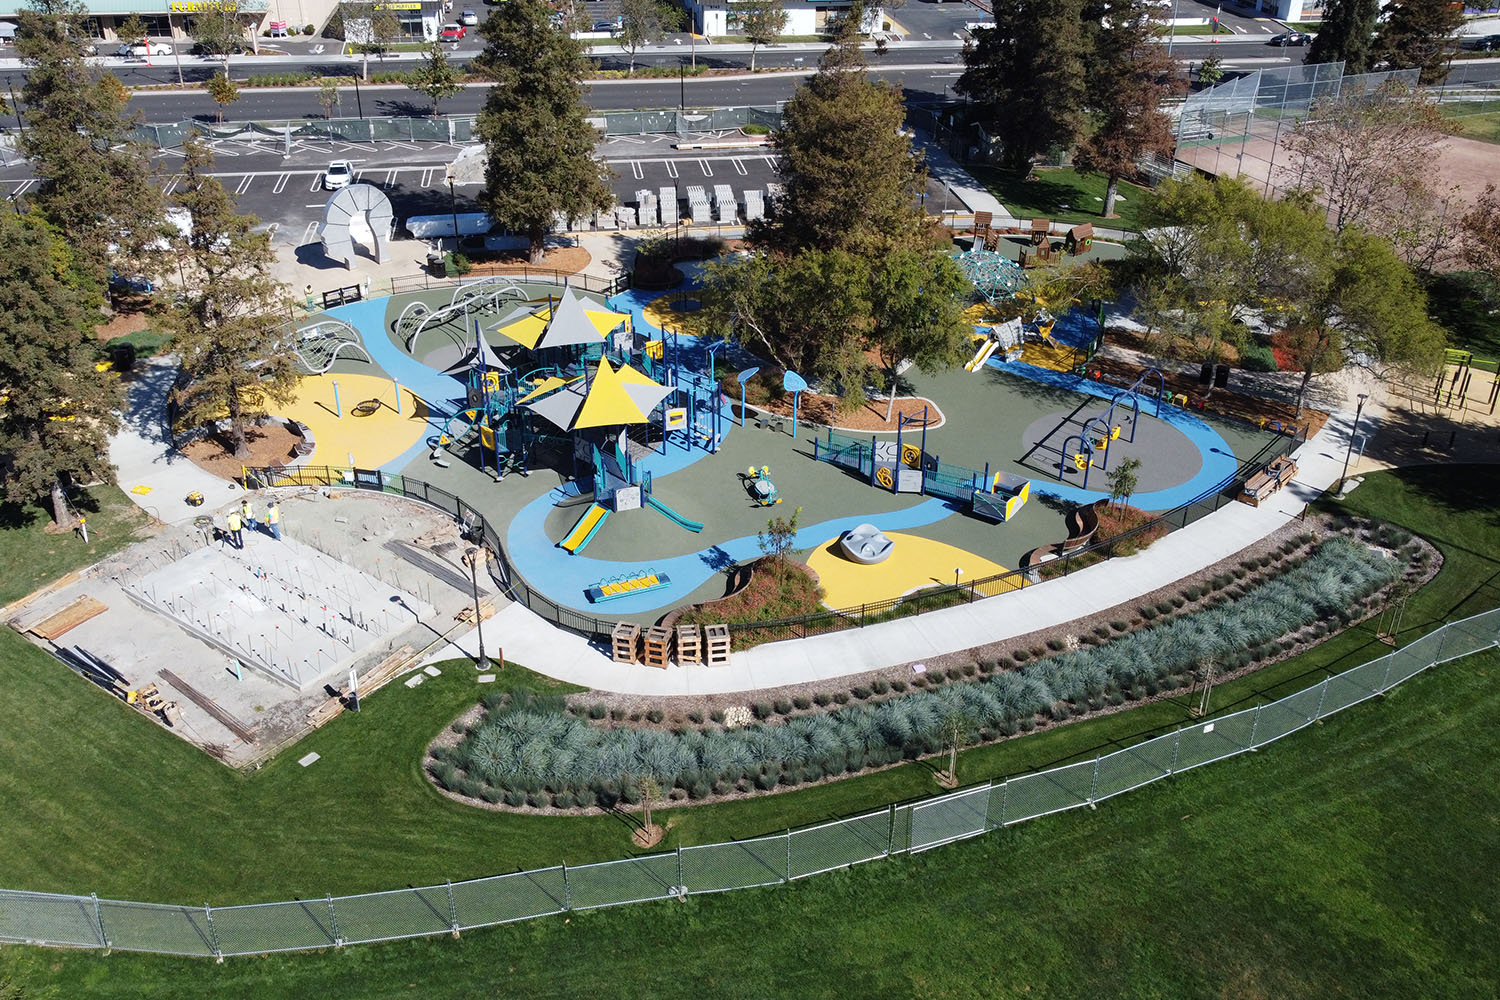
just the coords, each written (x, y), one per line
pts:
(370, 429)
(914, 563)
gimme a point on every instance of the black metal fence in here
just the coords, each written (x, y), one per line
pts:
(541, 275)
(477, 528)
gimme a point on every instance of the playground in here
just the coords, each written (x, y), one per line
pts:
(630, 484)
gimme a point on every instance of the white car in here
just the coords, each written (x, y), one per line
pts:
(141, 50)
(470, 18)
(340, 174)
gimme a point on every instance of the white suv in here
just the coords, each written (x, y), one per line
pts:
(340, 174)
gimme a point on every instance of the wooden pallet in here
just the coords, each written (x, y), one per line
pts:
(68, 618)
(689, 644)
(716, 641)
(658, 643)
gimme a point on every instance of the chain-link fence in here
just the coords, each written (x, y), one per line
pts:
(207, 931)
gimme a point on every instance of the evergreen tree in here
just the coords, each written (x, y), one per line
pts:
(850, 176)
(539, 146)
(1132, 76)
(228, 322)
(435, 76)
(762, 21)
(1346, 35)
(1028, 77)
(56, 410)
(96, 186)
(1418, 34)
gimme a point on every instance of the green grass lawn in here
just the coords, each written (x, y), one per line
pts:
(32, 556)
(1323, 866)
(1049, 188)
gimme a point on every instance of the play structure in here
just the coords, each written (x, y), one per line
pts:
(1005, 338)
(627, 585)
(994, 275)
(866, 544)
(1101, 430)
(757, 483)
(1004, 498)
(480, 298)
(318, 345)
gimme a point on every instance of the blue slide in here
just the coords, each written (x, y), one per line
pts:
(673, 516)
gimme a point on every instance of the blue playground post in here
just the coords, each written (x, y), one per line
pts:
(338, 410)
(744, 377)
(794, 384)
(397, 384)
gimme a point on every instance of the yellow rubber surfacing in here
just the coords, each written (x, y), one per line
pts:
(915, 562)
(373, 440)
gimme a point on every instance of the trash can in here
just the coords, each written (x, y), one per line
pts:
(436, 265)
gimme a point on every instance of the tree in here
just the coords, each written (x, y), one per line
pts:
(58, 411)
(227, 323)
(1205, 672)
(539, 146)
(1419, 34)
(917, 309)
(1367, 157)
(224, 91)
(1480, 229)
(369, 29)
(96, 186)
(851, 179)
(780, 537)
(1347, 35)
(218, 32)
(329, 98)
(649, 834)
(640, 24)
(1133, 75)
(1211, 71)
(435, 76)
(762, 22)
(1028, 78)
(1123, 481)
(132, 30)
(958, 730)
(1312, 349)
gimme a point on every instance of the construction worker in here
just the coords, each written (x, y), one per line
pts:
(273, 520)
(234, 526)
(247, 514)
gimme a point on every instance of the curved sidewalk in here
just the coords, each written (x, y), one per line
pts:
(530, 640)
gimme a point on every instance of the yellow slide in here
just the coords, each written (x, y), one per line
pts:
(983, 355)
(583, 532)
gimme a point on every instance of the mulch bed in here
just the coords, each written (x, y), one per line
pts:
(269, 445)
(568, 260)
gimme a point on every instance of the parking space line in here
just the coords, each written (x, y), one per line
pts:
(23, 186)
(740, 168)
(271, 230)
(317, 181)
(390, 178)
(245, 183)
(671, 169)
(309, 233)
(280, 184)
(171, 185)
(707, 170)
(770, 161)
(427, 177)
(635, 169)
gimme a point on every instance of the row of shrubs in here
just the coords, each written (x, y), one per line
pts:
(527, 748)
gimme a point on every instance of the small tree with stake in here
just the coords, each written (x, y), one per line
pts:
(649, 835)
(779, 537)
(958, 730)
(328, 95)
(1123, 481)
(436, 77)
(224, 91)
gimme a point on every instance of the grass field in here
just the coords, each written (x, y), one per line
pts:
(1463, 302)
(1049, 188)
(31, 556)
(1345, 861)
(1480, 119)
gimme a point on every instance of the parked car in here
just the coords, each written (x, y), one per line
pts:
(1488, 43)
(141, 50)
(340, 174)
(608, 26)
(1290, 38)
(470, 18)
(452, 32)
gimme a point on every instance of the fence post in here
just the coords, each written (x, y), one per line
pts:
(452, 907)
(1442, 641)
(333, 920)
(1385, 679)
(1254, 725)
(1094, 782)
(1322, 694)
(890, 829)
(567, 889)
(213, 934)
(788, 876)
(1176, 745)
(99, 920)
(680, 886)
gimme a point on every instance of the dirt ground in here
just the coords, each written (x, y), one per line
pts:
(130, 317)
(269, 445)
(569, 260)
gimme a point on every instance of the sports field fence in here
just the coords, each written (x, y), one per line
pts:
(207, 931)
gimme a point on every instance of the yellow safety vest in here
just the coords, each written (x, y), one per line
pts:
(273, 515)
(233, 521)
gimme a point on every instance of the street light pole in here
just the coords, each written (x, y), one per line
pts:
(473, 557)
(453, 209)
(359, 101)
(1358, 409)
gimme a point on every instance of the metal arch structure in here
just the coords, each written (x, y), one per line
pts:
(344, 207)
(318, 345)
(992, 274)
(482, 295)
